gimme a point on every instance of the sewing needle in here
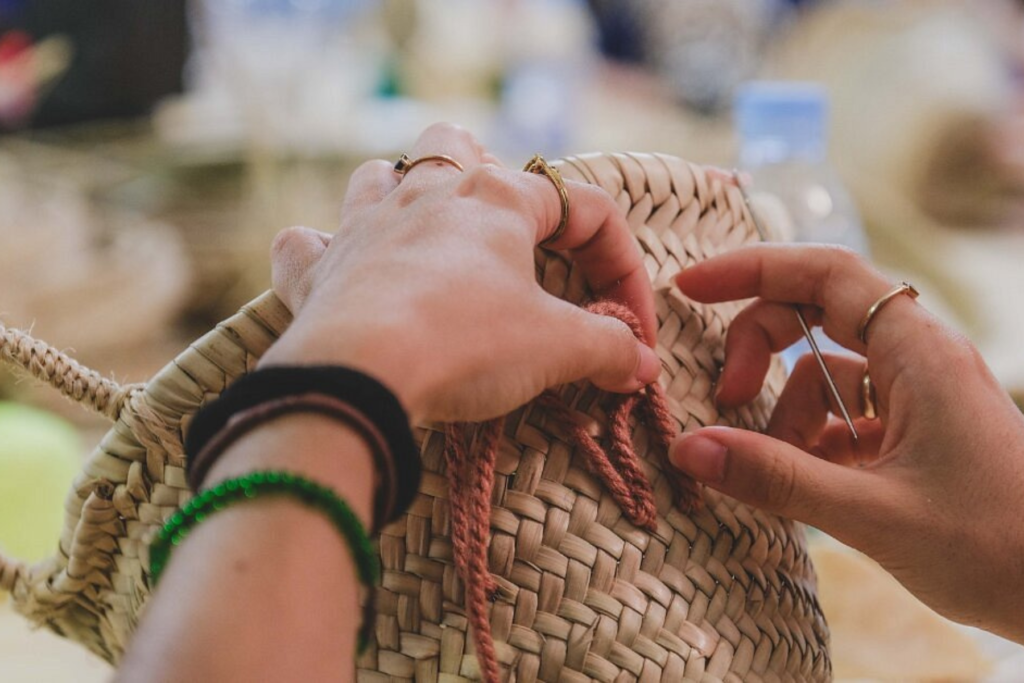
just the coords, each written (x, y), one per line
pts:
(799, 314)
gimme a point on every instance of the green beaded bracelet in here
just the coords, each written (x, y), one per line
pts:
(271, 483)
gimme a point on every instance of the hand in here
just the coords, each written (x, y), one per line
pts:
(430, 286)
(933, 488)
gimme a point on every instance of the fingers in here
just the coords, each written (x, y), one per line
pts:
(775, 476)
(832, 278)
(837, 445)
(803, 413)
(491, 159)
(758, 331)
(293, 255)
(449, 140)
(597, 347)
(369, 184)
(597, 236)
(375, 179)
(600, 242)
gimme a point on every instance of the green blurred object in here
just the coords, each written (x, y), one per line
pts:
(39, 457)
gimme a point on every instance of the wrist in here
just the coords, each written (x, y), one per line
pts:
(373, 417)
(313, 446)
(371, 352)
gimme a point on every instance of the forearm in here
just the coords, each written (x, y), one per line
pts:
(265, 589)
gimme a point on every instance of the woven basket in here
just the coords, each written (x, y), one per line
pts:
(727, 593)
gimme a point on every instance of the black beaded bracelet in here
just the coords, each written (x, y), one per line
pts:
(273, 483)
(375, 413)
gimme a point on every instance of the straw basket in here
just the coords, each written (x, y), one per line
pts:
(727, 593)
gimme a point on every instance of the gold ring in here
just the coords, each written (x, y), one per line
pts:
(541, 167)
(867, 395)
(901, 288)
(405, 164)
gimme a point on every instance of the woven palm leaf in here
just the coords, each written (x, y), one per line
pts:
(723, 594)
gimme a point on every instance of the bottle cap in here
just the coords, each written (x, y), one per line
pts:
(781, 120)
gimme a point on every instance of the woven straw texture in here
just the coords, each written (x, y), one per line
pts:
(724, 594)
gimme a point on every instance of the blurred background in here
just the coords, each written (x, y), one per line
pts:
(150, 149)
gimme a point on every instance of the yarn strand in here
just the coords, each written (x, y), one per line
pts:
(471, 482)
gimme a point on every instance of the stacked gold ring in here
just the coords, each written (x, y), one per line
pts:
(541, 167)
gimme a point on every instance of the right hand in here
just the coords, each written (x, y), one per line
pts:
(934, 488)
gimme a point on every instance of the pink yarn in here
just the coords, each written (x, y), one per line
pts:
(471, 482)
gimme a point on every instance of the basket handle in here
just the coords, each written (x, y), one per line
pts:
(75, 381)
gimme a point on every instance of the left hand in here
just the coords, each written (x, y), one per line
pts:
(931, 489)
(430, 286)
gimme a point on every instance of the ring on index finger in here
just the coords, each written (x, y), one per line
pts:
(539, 166)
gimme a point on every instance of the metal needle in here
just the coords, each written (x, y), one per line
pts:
(799, 315)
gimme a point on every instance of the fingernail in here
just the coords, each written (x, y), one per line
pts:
(679, 277)
(700, 457)
(650, 365)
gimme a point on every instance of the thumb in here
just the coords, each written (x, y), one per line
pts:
(775, 476)
(604, 350)
(293, 255)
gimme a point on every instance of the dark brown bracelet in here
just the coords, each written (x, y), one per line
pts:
(245, 421)
(343, 394)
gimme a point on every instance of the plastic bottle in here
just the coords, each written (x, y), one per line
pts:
(783, 143)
